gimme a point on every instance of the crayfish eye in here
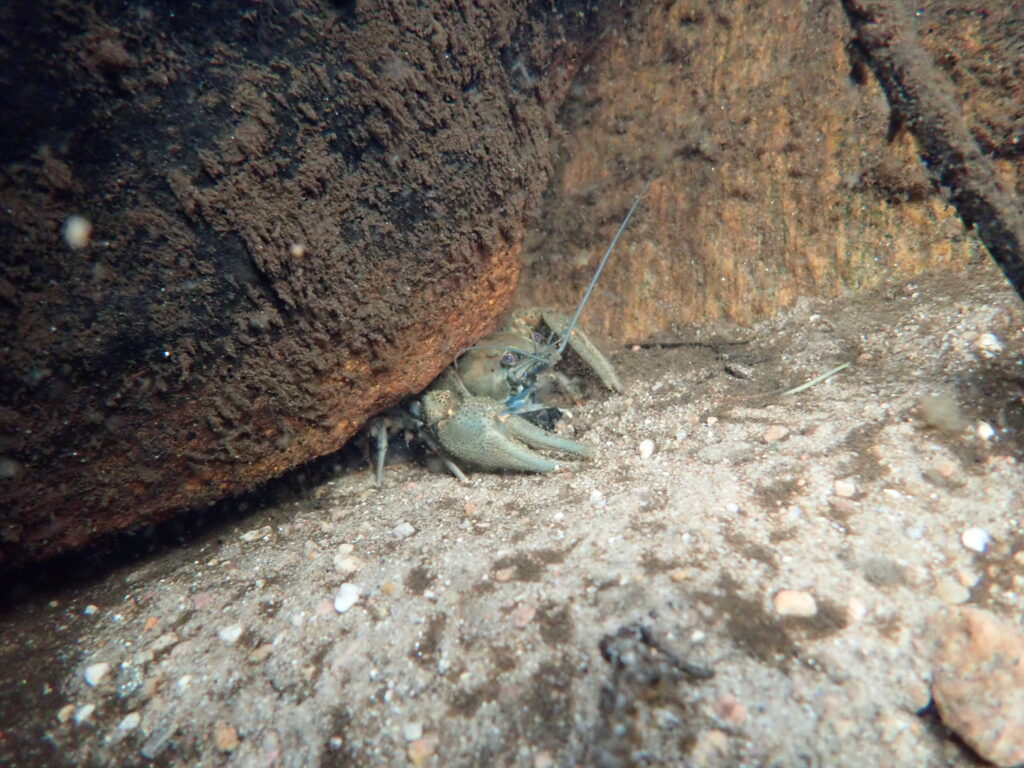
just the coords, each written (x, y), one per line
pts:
(509, 359)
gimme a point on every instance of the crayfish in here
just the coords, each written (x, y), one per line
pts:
(474, 411)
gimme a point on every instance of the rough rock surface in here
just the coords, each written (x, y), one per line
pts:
(780, 168)
(299, 213)
(978, 680)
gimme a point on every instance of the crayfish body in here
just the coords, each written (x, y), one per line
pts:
(474, 411)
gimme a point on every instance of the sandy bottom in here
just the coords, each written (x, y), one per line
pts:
(753, 592)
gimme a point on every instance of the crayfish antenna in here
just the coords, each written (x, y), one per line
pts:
(604, 260)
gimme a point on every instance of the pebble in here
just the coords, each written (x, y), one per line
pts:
(646, 449)
(597, 498)
(855, 610)
(348, 595)
(739, 370)
(791, 602)
(129, 722)
(403, 530)
(975, 539)
(978, 680)
(985, 430)
(95, 673)
(544, 759)
(730, 710)
(90, 609)
(165, 641)
(951, 591)
(225, 737)
(710, 749)
(988, 344)
(347, 564)
(83, 713)
(523, 615)
(422, 749)
(231, 633)
(711, 421)
(65, 712)
(76, 231)
(775, 433)
(845, 488)
(412, 731)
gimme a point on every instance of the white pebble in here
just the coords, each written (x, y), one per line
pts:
(985, 430)
(95, 673)
(646, 449)
(90, 609)
(347, 564)
(790, 602)
(231, 633)
(403, 530)
(845, 488)
(597, 498)
(951, 591)
(83, 713)
(76, 231)
(681, 435)
(65, 712)
(348, 595)
(975, 539)
(130, 722)
(412, 731)
(732, 508)
(989, 344)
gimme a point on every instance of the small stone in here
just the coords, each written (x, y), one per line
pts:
(845, 488)
(95, 673)
(710, 749)
(165, 641)
(261, 653)
(84, 713)
(951, 591)
(978, 680)
(65, 712)
(975, 539)
(646, 449)
(90, 610)
(225, 737)
(946, 468)
(503, 575)
(422, 749)
(988, 344)
(348, 595)
(544, 759)
(597, 498)
(76, 231)
(711, 421)
(412, 731)
(149, 623)
(129, 722)
(775, 433)
(231, 633)
(739, 370)
(523, 615)
(730, 710)
(855, 610)
(791, 602)
(347, 564)
(403, 530)
(985, 430)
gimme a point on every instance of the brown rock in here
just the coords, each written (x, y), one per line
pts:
(978, 680)
(272, 276)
